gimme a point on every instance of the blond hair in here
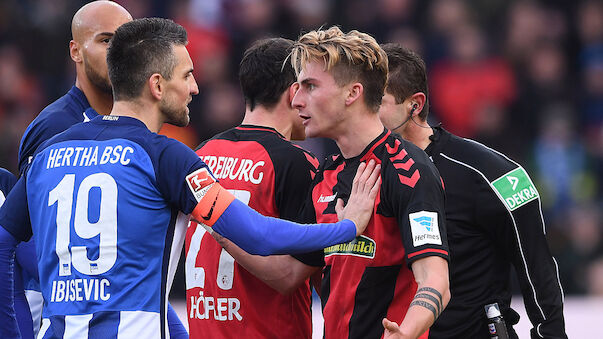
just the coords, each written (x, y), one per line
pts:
(352, 56)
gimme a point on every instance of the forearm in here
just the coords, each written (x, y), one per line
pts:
(432, 296)
(429, 302)
(8, 320)
(281, 272)
(257, 234)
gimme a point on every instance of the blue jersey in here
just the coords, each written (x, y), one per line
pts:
(104, 199)
(7, 181)
(68, 110)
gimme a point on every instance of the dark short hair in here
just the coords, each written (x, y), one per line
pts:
(265, 73)
(139, 49)
(407, 75)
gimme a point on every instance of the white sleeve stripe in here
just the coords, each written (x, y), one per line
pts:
(525, 265)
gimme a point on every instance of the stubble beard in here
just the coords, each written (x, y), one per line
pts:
(101, 83)
(174, 116)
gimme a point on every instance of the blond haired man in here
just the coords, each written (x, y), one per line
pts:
(397, 269)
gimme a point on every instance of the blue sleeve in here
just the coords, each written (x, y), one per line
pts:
(27, 259)
(8, 321)
(175, 327)
(21, 306)
(7, 181)
(175, 162)
(257, 234)
(14, 215)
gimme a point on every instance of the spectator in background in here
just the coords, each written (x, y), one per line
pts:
(20, 97)
(581, 246)
(471, 89)
(594, 277)
(561, 162)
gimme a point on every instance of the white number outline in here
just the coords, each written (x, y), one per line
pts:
(105, 227)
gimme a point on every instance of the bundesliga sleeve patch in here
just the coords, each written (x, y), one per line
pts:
(199, 182)
(515, 188)
(424, 228)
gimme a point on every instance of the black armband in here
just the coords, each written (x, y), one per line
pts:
(431, 298)
(432, 290)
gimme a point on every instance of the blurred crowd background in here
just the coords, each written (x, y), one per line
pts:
(524, 77)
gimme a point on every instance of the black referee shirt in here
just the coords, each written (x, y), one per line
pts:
(494, 220)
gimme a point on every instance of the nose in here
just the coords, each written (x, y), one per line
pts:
(298, 100)
(194, 87)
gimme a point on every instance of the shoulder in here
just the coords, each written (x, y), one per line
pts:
(477, 157)
(53, 119)
(287, 151)
(506, 178)
(404, 162)
(62, 113)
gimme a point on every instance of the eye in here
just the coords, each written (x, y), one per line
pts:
(106, 40)
(311, 86)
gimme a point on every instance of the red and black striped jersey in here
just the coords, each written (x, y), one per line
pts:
(370, 278)
(273, 176)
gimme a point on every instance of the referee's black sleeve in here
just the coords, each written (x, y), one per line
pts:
(517, 227)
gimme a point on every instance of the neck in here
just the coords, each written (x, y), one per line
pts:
(416, 131)
(358, 133)
(275, 118)
(133, 108)
(100, 101)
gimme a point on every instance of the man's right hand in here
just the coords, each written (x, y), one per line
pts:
(362, 199)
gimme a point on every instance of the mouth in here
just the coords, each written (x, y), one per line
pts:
(305, 118)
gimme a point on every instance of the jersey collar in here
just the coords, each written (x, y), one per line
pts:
(117, 120)
(259, 128)
(439, 138)
(80, 97)
(369, 148)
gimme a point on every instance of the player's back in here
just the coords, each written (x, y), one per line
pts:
(105, 227)
(271, 175)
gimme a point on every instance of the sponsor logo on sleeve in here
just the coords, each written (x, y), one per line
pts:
(199, 182)
(362, 246)
(515, 188)
(424, 228)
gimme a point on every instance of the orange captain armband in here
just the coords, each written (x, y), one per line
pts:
(213, 204)
(213, 199)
